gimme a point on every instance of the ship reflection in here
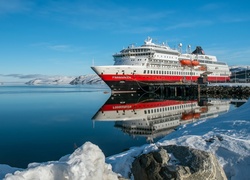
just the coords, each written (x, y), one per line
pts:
(152, 115)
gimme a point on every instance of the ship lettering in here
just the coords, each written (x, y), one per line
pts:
(122, 107)
(121, 77)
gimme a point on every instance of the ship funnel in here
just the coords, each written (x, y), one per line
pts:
(198, 50)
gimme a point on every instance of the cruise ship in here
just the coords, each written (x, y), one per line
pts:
(152, 116)
(136, 68)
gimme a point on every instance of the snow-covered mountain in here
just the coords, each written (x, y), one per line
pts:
(239, 68)
(85, 79)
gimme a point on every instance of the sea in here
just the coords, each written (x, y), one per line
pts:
(46, 122)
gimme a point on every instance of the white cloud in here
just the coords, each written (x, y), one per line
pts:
(14, 6)
(58, 47)
(190, 24)
(92, 15)
(231, 56)
(234, 19)
(211, 7)
(24, 76)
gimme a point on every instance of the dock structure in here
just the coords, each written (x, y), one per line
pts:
(198, 90)
(178, 90)
(225, 91)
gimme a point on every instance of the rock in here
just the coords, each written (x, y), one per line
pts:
(182, 163)
(148, 166)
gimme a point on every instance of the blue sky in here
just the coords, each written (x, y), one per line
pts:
(63, 37)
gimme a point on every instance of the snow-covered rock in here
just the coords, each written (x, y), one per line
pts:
(177, 162)
(87, 162)
(87, 79)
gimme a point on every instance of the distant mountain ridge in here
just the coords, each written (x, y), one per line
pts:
(63, 80)
(239, 68)
(87, 79)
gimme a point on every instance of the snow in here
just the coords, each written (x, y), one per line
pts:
(63, 80)
(88, 79)
(227, 136)
(238, 68)
(87, 162)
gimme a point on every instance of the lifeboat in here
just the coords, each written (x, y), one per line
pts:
(186, 62)
(190, 115)
(204, 109)
(197, 115)
(203, 68)
(195, 63)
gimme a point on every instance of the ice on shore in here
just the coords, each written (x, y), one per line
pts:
(87, 162)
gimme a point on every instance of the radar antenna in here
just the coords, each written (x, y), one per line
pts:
(180, 47)
(189, 49)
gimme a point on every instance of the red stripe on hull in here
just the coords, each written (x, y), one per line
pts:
(112, 107)
(157, 78)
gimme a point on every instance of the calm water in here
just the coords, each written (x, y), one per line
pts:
(44, 123)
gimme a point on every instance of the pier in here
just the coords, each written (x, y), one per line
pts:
(199, 90)
(240, 92)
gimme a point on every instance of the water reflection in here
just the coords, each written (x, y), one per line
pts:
(154, 115)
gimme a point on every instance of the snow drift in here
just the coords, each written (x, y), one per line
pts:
(87, 162)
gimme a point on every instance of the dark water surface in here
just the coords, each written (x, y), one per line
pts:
(44, 123)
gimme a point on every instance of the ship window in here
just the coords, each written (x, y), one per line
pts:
(144, 72)
(145, 112)
(148, 71)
